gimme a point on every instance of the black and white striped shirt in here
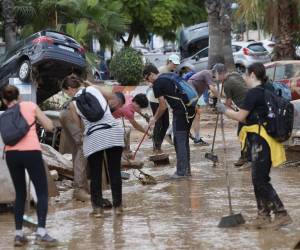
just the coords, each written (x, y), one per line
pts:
(107, 137)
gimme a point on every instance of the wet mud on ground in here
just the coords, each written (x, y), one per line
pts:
(181, 214)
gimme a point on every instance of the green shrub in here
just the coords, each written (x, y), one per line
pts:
(126, 66)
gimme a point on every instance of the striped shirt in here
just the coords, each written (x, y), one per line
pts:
(107, 132)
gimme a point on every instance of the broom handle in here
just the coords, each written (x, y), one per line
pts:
(215, 133)
(226, 166)
(138, 147)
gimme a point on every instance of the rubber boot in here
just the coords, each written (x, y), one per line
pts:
(81, 195)
(281, 219)
(261, 220)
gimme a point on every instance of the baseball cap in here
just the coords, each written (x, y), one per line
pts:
(174, 59)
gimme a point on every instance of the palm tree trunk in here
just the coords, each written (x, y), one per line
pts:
(284, 48)
(258, 29)
(226, 25)
(215, 33)
(9, 22)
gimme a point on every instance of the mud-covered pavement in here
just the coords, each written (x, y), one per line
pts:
(181, 214)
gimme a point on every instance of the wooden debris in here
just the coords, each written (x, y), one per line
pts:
(160, 159)
(131, 164)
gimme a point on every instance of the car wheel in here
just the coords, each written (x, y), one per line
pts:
(24, 70)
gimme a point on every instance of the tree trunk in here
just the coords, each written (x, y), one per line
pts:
(247, 31)
(226, 14)
(9, 22)
(258, 29)
(284, 48)
(215, 54)
(129, 40)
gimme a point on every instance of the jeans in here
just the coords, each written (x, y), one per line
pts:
(181, 130)
(17, 162)
(95, 161)
(160, 127)
(266, 196)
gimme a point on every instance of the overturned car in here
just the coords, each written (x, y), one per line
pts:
(44, 58)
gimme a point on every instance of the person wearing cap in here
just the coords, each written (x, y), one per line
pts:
(164, 89)
(235, 90)
(172, 63)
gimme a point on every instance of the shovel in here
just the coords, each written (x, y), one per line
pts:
(211, 156)
(232, 220)
(28, 221)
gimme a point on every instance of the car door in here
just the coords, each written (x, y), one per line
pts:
(200, 60)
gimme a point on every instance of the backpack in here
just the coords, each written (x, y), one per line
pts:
(187, 94)
(280, 118)
(282, 90)
(89, 106)
(13, 126)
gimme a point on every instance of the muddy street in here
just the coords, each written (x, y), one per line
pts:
(180, 214)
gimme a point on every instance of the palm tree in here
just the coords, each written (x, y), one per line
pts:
(282, 21)
(219, 20)
(9, 22)
(251, 11)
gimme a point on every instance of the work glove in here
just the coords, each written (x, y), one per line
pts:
(221, 108)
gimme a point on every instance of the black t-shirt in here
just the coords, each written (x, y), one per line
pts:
(166, 87)
(255, 104)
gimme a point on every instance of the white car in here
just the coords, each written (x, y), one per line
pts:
(269, 45)
(244, 54)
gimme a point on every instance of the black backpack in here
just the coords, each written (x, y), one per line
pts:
(280, 118)
(13, 126)
(89, 106)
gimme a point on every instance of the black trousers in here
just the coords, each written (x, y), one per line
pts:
(95, 161)
(266, 196)
(17, 162)
(160, 127)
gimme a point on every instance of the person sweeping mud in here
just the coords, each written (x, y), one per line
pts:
(26, 154)
(132, 105)
(263, 150)
(165, 89)
(235, 90)
(103, 140)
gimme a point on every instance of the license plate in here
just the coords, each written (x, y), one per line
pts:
(66, 48)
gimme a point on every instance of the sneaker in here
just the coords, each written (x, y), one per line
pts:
(20, 241)
(118, 210)
(97, 212)
(244, 167)
(81, 195)
(168, 138)
(259, 221)
(46, 240)
(241, 161)
(280, 220)
(200, 142)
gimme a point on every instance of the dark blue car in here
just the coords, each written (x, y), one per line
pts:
(45, 57)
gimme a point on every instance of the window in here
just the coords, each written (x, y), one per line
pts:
(235, 48)
(257, 47)
(203, 53)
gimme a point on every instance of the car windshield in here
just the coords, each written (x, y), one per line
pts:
(283, 72)
(257, 47)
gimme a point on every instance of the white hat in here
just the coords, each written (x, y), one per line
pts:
(174, 59)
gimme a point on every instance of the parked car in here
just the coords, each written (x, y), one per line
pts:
(244, 54)
(287, 72)
(46, 57)
(269, 45)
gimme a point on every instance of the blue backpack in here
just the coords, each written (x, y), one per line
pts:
(186, 92)
(282, 90)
